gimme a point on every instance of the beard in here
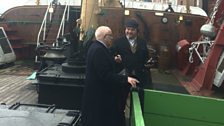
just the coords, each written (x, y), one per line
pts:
(131, 36)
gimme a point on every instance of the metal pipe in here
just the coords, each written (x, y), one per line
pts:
(42, 25)
(61, 28)
(187, 6)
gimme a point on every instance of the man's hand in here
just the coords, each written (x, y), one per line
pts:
(118, 58)
(132, 81)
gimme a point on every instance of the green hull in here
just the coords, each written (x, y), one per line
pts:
(172, 109)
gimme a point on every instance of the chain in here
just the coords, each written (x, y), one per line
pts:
(195, 48)
(215, 9)
(193, 45)
(191, 49)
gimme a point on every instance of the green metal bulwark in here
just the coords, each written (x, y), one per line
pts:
(173, 109)
(136, 113)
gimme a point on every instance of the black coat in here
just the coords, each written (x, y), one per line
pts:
(132, 61)
(100, 100)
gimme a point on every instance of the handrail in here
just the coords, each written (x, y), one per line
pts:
(62, 24)
(61, 27)
(43, 25)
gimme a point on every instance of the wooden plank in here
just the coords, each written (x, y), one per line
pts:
(14, 88)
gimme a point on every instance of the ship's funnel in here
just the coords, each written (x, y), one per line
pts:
(208, 30)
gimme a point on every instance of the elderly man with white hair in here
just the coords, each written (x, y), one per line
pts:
(100, 99)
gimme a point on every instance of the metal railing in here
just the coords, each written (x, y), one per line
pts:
(62, 24)
(43, 26)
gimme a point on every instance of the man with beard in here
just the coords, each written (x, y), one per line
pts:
(131, 55)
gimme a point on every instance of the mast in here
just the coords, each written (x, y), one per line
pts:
(188, 6)
(89, 14)
(37, 2)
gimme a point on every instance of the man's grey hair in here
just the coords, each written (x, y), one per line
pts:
(101, 32)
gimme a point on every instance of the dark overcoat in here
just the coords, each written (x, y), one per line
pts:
(133, 62)
(100, 100)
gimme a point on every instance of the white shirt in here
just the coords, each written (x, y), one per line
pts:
(132, 41)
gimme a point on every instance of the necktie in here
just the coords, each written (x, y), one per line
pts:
(133, 46)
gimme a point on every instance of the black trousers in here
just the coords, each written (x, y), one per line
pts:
(145, 83)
